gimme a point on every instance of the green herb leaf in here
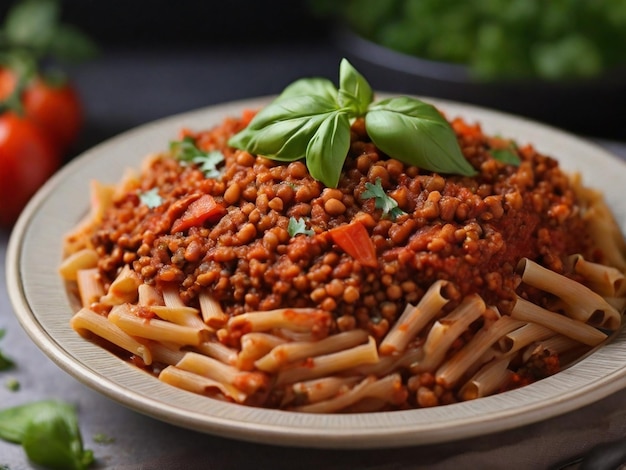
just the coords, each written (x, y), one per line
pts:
(415, 132)
(12, 384)
(71, 44)
(507, 156)
(5, 362)
(186, 151)
(151, 198)
(316, 86)
(282, 131)
(328, 148)
(311, 120)
(382, 200)
(101, 438)
(298, 227)
(32, 23)
(49, 433)
(355, 93)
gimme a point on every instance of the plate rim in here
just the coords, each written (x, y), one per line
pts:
(285, 427)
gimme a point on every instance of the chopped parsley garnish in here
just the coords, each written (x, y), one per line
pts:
(382, 200)
(5, 362)
(151, 198)
(298, 227)
(186, 151)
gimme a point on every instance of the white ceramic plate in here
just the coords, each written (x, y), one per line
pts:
(43, 308)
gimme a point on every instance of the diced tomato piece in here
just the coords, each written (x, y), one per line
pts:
(354, 239)
(199, 211)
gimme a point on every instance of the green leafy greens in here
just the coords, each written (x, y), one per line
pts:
(311, 119)
(49, 433)
(382, 200)
(186, 150)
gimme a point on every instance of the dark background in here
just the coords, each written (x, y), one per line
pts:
(159, 58)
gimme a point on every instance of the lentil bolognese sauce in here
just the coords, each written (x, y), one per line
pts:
(399, 287)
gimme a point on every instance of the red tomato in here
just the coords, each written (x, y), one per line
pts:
(27, 160)
(56, 109)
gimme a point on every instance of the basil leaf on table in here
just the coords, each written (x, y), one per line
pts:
(49, 433)
(414, 132)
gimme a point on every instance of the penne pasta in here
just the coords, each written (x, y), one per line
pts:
(398, 287)
(329, 364)
(413, 319)
(86, 258)
(248, 382)
(87, 320)
(154, 329)
(582, 300)
(451, 371)
(294, 351)
(199, 384)
(90, 286)
(581, 332)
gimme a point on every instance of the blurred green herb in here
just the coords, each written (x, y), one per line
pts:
(101, 438)
(12, 384)
(5, 362)
(382, 200)
(497, 39)
(151, 198)
(311, 120)
(34, 40)
(507, 155)
(49, 433)
(298, 227)
(186, 151)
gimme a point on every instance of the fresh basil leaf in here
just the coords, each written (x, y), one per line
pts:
(49, 433)
(321, 87)
(32, 23)
(328, 148)
(283, 129)
(355, 93)
(416, 133)
(13, 421)
(50, 439)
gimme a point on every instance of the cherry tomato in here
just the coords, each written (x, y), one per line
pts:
(56, 109)
(27, 160)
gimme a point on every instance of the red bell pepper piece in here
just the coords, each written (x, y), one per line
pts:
(199, 211)
(354, 239)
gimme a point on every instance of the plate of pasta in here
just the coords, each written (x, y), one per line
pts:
(190, 276)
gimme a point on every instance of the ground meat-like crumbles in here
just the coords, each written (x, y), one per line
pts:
(468, 230)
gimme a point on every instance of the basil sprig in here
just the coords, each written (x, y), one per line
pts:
(311, 119)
